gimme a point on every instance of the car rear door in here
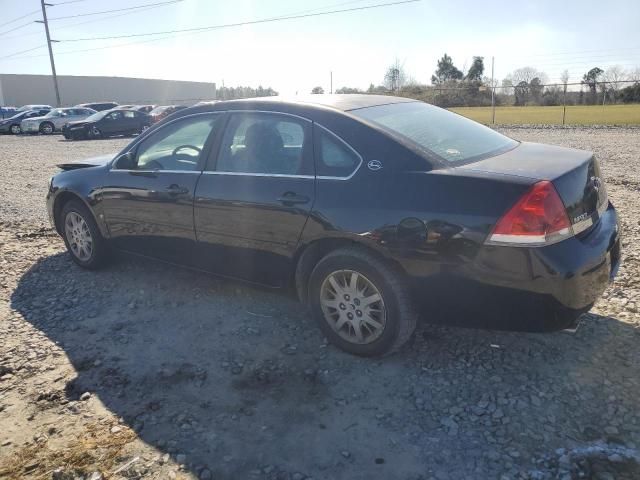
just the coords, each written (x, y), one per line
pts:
(252, 203)
(147, 197)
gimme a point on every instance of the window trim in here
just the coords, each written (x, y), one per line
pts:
(340, 139)
(209, 143)
(211, 169)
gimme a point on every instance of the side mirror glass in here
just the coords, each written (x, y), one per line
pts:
(126, 161)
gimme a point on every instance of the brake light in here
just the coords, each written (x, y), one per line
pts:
(538, 218)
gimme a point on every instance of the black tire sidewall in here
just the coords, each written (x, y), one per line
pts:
(98, 252)
(44, 125)
(347, 262)
(19, 130)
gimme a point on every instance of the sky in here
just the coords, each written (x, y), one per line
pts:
(293, 56)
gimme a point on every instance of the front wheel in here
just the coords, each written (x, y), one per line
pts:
(82, 237)
(94, 132)
(47, 128)
(15, 129)
(361, 302)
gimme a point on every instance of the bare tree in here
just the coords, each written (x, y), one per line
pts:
(526, 74)
(564, 77)
(613, 76)
(634, 75)
(395, 76)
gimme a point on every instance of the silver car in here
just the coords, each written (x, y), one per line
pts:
(55, 120)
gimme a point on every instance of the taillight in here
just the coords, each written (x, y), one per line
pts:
(538, 218)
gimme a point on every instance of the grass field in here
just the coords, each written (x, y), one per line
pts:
(576, 115)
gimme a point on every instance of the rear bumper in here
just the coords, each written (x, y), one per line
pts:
(532, 289)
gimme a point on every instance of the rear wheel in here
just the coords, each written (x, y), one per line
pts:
(47, 128)
(361, 302)
(15, 129)
(81, 236)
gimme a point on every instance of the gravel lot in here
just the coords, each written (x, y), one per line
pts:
(144, 370)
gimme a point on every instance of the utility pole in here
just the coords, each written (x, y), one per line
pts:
(53, 65)
(331, 84)
(493, 94)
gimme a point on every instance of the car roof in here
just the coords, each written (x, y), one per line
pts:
(341, 102)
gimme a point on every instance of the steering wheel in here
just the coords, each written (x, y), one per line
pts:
(183, 147)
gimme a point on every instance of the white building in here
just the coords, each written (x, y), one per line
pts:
(17, 90)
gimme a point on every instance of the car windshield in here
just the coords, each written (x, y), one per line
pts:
(19, 115)
(97, 116)
(56, 112)
(451, 137)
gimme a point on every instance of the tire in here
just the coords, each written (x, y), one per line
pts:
(374, 275)
(15, 129)
(94, 132)
(47, 128)
(99, 250)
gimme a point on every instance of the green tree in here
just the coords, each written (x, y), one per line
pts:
(446, 71)
(591, 80)
(475, 70)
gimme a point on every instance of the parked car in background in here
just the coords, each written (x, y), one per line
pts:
(12, 124)
(145, 108)
(6, 112)
(107, 124)
(98, 106)
(163, 111)
(374, 208)
(24, 108)
(54, 120)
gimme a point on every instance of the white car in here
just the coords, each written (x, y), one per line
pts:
(55, 120)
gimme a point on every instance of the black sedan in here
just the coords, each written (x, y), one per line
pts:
(376, 209)
(107, 123)
(12, 124)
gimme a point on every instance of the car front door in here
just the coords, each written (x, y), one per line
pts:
(147, 196)
(252, 203)
(111, 123)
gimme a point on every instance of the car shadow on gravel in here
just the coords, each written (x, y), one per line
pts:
(239, 382)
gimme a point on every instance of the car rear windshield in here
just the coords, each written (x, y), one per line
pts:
(448, 136)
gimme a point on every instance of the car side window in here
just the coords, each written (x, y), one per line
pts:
(334, 158)
(178, 145)
(129, 114)
(267, 143)
(113, 116)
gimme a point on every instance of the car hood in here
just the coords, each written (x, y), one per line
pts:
(77, 123)
(88, 162)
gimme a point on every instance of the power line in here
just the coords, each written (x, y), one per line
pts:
(239, 24)
(23, 51)
(116, 10)
(16, 28)
(71, 25)
(68, 1)
(19, 18)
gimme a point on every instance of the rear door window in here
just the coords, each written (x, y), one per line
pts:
(265, 143)
(334, 157)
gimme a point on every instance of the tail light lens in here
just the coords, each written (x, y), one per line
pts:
(538, 218)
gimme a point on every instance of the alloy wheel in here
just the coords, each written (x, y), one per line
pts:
(47, 129)
(15, 129)
(78, 236)
(353, 306)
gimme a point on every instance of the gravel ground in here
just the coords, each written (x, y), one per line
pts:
(144, 370)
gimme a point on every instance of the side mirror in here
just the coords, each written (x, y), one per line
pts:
(126, 161)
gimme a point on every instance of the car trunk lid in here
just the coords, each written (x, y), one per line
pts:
(575, 175)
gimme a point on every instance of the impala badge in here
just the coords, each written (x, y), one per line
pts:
(596, 182)
(374, 165)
